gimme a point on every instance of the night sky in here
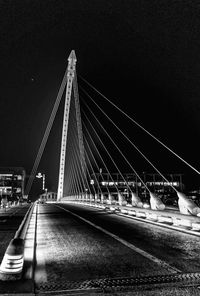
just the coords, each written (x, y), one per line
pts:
(143, 55)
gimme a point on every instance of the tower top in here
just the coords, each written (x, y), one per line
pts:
(72, 57)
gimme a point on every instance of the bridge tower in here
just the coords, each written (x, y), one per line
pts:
(71, 87)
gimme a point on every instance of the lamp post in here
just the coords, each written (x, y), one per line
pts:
(39, 176)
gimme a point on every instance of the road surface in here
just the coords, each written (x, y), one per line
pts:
(78, 244)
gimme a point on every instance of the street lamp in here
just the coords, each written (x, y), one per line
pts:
(39, 176)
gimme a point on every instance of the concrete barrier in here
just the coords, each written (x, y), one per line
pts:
(13, 260)
(171, 217)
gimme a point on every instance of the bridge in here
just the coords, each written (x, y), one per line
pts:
(113, 228)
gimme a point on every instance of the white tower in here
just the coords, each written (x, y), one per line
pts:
(70, 77)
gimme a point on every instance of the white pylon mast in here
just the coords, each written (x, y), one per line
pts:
(70, 76)
(79, 127)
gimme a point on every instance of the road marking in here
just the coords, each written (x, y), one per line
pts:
(127, 244)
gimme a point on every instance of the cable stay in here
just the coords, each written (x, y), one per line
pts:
(86, 183)
(186, 206)
(73, 157)
(141, 127)
(46, 134)
(116, 146)
(101, 159)
(154, 200)
(102, 177)
(93, 173)
(108, 151)
(116, 126)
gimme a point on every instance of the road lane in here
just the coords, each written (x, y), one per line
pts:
(177, 249)
(69, 249)
(161, 263)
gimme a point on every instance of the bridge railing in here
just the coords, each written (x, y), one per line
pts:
(13, 260)
(168, 217)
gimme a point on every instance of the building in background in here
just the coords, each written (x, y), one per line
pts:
(48, 196)
(114, 182)
(12, 181)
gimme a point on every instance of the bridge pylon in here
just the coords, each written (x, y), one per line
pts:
(71, 85)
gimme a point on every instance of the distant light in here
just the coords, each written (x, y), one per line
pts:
(39, 175)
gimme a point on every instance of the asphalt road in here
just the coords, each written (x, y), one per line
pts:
(79, 243)
(178, 249)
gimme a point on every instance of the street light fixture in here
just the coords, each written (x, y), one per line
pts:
(39, 176)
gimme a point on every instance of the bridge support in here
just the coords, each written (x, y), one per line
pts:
(187, 206)
(102, 198)
(91, 197)
(121, 199)
(156, 203)
(111, 200)
(96, 197)
(70, 76)
(136, 201)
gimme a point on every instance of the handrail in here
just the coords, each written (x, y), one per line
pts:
(13, 260)
(21, 232)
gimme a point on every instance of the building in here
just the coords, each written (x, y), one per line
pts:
(104, 182)
(12, 181)
(48, 196)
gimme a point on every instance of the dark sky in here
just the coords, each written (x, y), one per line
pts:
(144, 55)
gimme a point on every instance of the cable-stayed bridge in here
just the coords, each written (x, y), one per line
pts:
(112, 228)
(94, 144)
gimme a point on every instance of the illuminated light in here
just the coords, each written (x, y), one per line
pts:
(176, 221)
(108, 202)
(124, 211)
(132, 213)
(151, 216)
(13, 259)
(196, 226)
(186, 223)
(164, 219)
(112, 209)
(12, 264)
(146, 206)
(140, 214)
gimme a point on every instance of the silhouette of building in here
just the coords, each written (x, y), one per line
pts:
(12, 181)
(104, 182)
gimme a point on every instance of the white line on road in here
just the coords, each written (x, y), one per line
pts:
(127, 244)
